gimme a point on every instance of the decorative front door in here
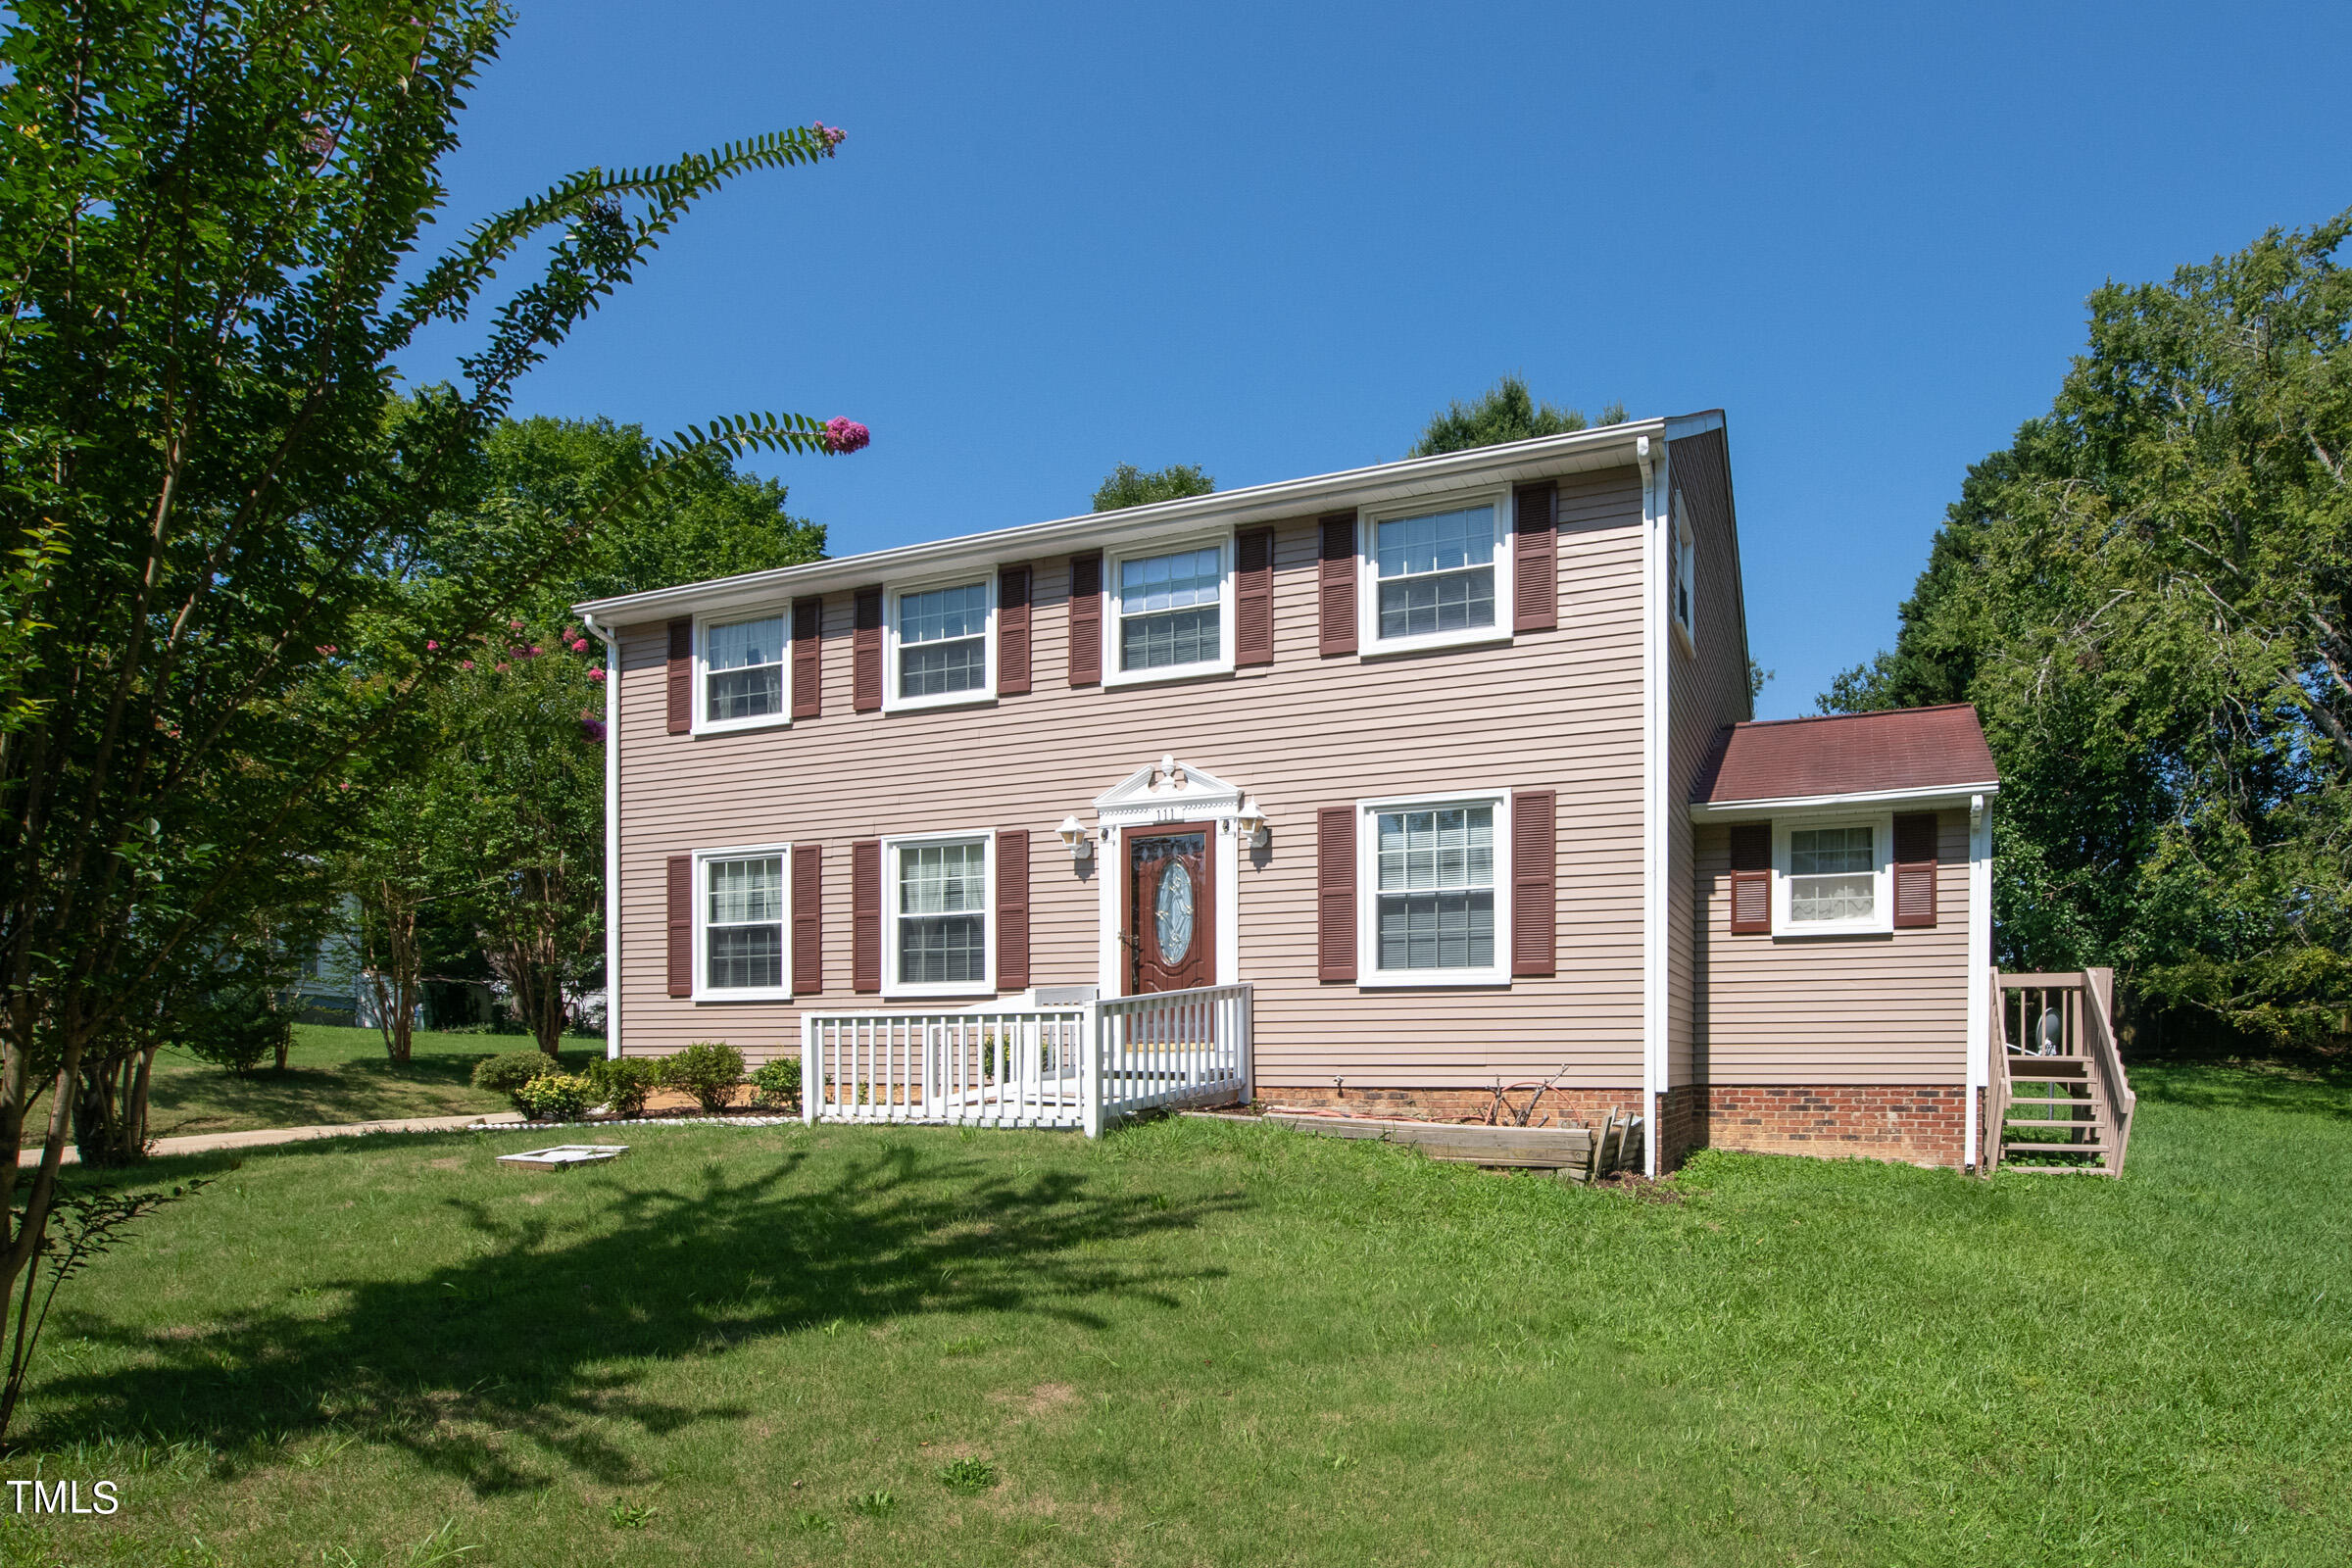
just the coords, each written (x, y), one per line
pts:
(1171, 930)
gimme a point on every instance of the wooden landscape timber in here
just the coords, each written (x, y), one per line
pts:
(1575, 1153)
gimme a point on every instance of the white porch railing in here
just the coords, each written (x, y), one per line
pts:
(1081, 1067)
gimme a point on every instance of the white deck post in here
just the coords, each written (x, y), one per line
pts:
(810, 1081)
(1089, 1069)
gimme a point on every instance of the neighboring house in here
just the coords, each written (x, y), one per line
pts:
(1443, 765)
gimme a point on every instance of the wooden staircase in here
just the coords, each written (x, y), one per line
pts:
(2058, 1100)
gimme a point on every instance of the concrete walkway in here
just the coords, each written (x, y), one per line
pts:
(208, 1143)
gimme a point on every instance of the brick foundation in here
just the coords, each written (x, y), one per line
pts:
(1921, 1124)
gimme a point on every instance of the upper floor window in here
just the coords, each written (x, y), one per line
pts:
(743, 672)
(1171, 614)
(940, 908)
(742, 921)
(1438, 578)
(1433, 915)
(940, 645)
(1681, 558)
(1832, 876)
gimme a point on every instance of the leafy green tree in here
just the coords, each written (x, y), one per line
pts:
(227, 543)
(1130, 486)
(2148, 596)
(1505, 411)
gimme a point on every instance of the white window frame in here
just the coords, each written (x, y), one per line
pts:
(1882, 893)
(1367, 566)
(781, 719)
(1114, 613)
(1683, 568)
(891, 702)
(1368, 971)
(703, 989)
(892, 985)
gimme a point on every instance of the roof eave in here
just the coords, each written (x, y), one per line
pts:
(1579, 451)
(1933, 795)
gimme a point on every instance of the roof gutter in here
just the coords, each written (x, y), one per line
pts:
(1949, 797)
(1602, 447)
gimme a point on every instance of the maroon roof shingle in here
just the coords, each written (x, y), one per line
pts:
(1846, 754)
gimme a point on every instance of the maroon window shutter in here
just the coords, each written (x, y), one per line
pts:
(1536, 560)
(1335, 582)
(681, 925)
(1086, 619)
(1013, 630)
(1915, 869)
(1751, 878)
(1012, 911)
(1334, 893)
(681, 676)
(1535, 874)
(866, 915)
(807, 919)
(1253, 597)
(866, 652)
(807, 657)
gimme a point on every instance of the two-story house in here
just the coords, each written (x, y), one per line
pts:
(1421, 777)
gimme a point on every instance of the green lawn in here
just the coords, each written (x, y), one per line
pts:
(1196, 1342)
(332, 1075)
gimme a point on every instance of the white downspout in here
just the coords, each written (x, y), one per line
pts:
(604, 635)
(1980, 965)
(1654, 858)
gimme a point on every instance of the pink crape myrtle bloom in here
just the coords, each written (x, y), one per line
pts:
(465, 663)
(327, 648)
(845, 435)
(431, 647)
(834, 136)
(597, 674)
(533, 652)
(579, 644)
(513, 625)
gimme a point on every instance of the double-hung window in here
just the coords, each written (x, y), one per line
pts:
(940, 645)
(743, 673)
(1435, 881)
(1437, 574)
(938, 895)
(741, 920)
(1833, 876)
(1170, 613)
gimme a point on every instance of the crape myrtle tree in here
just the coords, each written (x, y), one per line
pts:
(222, 539)
(2148, 596)
(493, 822)
(1504, 412)
(1130, 486)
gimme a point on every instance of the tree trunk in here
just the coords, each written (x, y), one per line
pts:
(395, 980)
(110, 1107)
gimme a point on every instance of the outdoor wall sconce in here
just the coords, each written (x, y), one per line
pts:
(1250, 823)
(1073, 834)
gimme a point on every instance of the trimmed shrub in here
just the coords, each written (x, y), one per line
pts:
(778, 1083)
(623, 1083)
(554, 1097)
(711, 1070)
(238, 1028)
(511, 1073)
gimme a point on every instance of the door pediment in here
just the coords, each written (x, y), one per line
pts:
(1168, 791)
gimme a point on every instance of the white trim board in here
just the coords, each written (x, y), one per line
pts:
(1931, 798)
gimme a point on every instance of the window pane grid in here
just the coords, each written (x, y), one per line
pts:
(1435, 881)
(744, 669)
(743, 934)
(1170, 610)
(942, 929)
(1831, 874)
(1437, 573)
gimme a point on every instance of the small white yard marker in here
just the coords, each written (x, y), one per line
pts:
(564, 1156)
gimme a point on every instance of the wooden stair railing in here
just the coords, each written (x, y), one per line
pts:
(2077, 1115)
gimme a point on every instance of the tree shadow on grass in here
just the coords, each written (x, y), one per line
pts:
(199, 1098)
(2324, 1091)
(543, 1335)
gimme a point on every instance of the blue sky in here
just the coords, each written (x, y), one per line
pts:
(1273, 239)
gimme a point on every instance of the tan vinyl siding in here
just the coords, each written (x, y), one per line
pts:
(1558, 710)
(1707, 690)
(1876, 1009)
